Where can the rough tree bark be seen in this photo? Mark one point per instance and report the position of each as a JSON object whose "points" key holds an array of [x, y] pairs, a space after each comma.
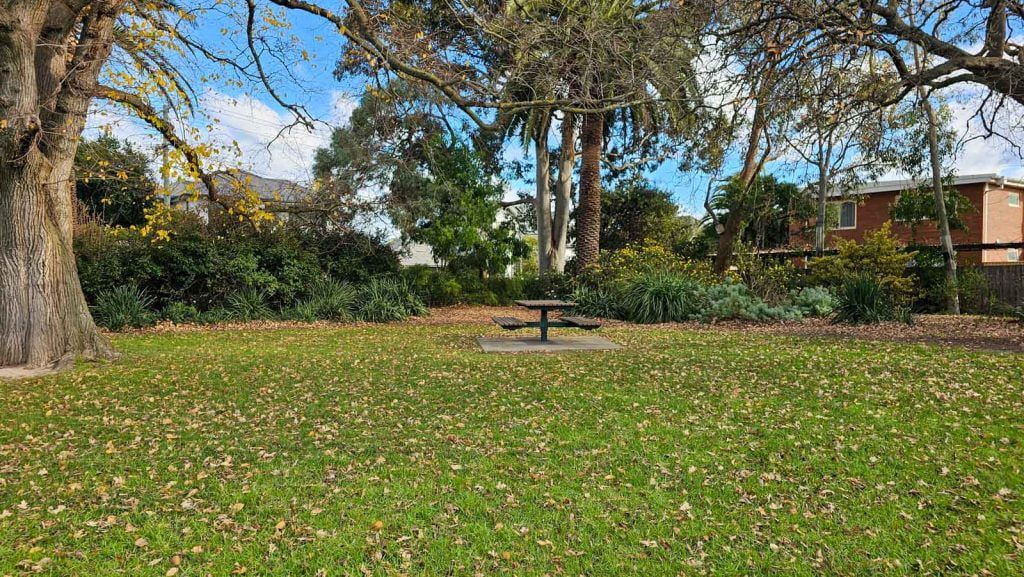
{"points": [[563, 194], [588, 214], [44, 98]]}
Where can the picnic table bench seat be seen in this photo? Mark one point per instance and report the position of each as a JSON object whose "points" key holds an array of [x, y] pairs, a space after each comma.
{"points": [[582, 323], [509, 323]]}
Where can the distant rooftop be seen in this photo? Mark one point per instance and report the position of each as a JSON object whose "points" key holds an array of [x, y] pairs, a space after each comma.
{"points": [[907, 184], [269, 189]]}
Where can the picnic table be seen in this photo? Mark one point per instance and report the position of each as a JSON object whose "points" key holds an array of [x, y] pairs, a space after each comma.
{"points": [[546, 306]]}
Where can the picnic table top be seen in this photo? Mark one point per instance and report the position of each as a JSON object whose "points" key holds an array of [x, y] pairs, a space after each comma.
{"points": [[546, 304]]}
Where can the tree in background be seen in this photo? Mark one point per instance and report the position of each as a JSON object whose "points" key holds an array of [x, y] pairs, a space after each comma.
{"points": [[112, 180], [452, 205], [763, 211], [434, 187], [635, 211]]}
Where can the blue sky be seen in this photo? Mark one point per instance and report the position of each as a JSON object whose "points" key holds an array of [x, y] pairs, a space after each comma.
{"points": [[251, 118]]}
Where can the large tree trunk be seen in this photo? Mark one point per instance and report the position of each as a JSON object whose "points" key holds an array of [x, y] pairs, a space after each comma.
{"points": [[542, 198], [588, 214], [563, 194], [44, 320]]}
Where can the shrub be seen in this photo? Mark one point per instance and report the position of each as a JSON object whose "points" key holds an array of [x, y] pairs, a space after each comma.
{"points": [[204, 269], [661, 297], [249, 305], [388, 299], [215, 315], [769, 281], [976, 293], [178, 312], [1017, 314], [645, 258], [329, 300], [595, 301], [125, 306], [880, 256], [813, 301], [548, 286], [436, 287], [733, 300], [865, 300]]}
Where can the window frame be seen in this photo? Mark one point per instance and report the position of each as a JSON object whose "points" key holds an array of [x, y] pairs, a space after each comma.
{"points": [[1015, 252], [1009, 199], [839, 221]]}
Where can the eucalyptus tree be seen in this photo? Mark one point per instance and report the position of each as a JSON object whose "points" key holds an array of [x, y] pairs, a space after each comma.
{"points": [[839, 129], [585, 58], [764, 55], [961, 41]]}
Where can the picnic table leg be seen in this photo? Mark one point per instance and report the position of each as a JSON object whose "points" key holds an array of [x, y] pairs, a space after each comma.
{"points": [[543, 325]]}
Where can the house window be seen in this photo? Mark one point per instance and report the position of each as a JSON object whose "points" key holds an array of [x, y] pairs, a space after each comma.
{"points": [[848, 215], [1013, 254], [1014, 199]]}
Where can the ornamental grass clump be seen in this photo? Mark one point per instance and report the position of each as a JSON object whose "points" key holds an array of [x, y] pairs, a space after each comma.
{"points": [[662, 297], [597, 301], [387, 299], [123, 306], [329, 300], [865, 299]]}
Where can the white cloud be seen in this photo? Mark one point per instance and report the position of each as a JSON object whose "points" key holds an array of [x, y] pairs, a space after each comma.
{"points": [[980, 155], [268, 142]]}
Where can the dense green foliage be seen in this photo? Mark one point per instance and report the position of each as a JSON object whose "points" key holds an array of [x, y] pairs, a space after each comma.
{"points": [[112, 180], [404, 450], [388, 299], [766, 210], [929, 273], [879, 256], [197, 276], [439, 190], [122, 307], [443, 287], [662, 297], [634, 212], [917, 206]]}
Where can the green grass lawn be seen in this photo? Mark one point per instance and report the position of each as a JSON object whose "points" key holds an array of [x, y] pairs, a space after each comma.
{"points": [[401, 450]]}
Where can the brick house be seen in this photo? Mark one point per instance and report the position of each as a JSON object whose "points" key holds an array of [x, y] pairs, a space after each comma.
{"points": [[997, 215]]}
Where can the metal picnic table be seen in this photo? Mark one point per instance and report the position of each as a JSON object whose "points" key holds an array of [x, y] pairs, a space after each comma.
{"points": [[546, 306]]}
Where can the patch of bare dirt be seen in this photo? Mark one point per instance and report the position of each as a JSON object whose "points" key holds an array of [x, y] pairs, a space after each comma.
{"points": [[970, 332], [21, 372]]}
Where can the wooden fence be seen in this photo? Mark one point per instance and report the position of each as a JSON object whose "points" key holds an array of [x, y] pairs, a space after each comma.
{"points": [[1006, 281]]}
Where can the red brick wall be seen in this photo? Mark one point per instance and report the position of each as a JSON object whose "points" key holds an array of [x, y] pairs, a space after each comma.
{"points": [[1004, 223]]}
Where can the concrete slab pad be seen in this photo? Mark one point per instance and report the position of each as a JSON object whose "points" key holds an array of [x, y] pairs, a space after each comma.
{"points": [[554, 345]]}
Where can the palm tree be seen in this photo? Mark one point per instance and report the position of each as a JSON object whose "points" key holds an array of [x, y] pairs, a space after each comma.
{"points": [[605, 56]]}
